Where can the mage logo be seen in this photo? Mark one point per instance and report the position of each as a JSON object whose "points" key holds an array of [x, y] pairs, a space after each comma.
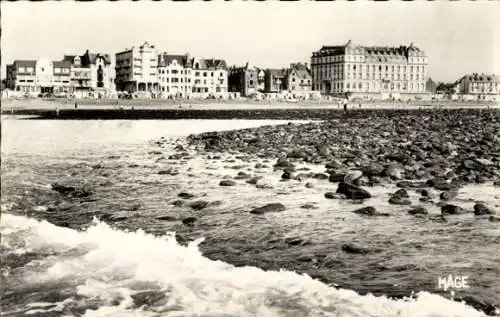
{"points": [[453, 282]]}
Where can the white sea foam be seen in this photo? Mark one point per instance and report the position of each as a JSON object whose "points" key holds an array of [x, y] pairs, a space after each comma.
{"points": [[120, 264]]}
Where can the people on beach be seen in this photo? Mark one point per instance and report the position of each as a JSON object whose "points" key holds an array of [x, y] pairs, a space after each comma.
{"points": [[345, 104], [76, 105]]}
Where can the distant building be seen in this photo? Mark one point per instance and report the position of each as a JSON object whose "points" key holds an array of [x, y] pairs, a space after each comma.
{"points": [[430, 86], [479, 86], [275, 80], [299, 78], [136, 70], [209, 77], [243, 80], [174, 75], [33, 77], [369, 71], [91, 74]]}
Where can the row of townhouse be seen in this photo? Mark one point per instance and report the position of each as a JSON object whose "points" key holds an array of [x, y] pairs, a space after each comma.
{"points": [[79, 75], [295, 79], [143, 71]]}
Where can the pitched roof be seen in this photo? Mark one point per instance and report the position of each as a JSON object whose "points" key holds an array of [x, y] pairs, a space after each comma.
{"points": [[24, 63], [300, 70], [210, 64], [165, 59], [276, 72], [482, 78], [62, 64]]}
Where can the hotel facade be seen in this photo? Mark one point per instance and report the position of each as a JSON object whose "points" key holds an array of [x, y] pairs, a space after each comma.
{"points": [[479, 87], [370, 71]]}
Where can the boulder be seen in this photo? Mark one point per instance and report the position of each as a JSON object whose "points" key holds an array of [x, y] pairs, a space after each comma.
{"points": [[227, 182], [253, 180], [368, 211], [396, 200], [189, 221], [336, 177], [374, 169], [417, 211], [409, 184], [309, 206], [449, 194], [320, 176], [242, 175], [71, 191], [450, 209], [273, 207], [186, 195], [354, 249], [494, 219], [352, 191], [309, 185], [394, 171], [481, 209], [199, 204], [332, 195]]}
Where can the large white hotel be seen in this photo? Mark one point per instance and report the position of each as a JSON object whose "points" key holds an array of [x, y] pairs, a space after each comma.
{"points": [[370, 71]]}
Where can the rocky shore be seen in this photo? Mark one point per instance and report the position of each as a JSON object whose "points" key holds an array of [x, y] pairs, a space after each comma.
{"points": [[442, 149]]}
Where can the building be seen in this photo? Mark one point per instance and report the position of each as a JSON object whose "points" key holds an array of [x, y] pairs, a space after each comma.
{"points": [[209, 78], [275, 80], [370, 71], [243, 80], [136, 70], [91, 74], [34, 77], [479, 87], [299, 78], [174, 75]]}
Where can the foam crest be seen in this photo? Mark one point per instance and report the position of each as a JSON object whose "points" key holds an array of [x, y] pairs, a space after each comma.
{"points": [[120, 265]]}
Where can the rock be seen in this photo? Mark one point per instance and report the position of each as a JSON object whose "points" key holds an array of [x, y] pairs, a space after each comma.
{"points": [[352, 191], [215, 203], [320, 176], [70, 191], [283, 163], [227, 182], [374, 169], [287, 175], [178, 203], [253, 180], [481, 209], [189, 221], [309, 206], [449, 194], [424, 193], [401, 193], [166, 218], [198, 205], [496, 183], [273, 207], [263, 186], [408, 184], [354, 249], [368, 211], [242, 175], [332, 195], [336, 177], [417, 211], [494, 219], [309, 185], [395, 200], [186, 195], [260, 165], [449, 209], [479, 304]]}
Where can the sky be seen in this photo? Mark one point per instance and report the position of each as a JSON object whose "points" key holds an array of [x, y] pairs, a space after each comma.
{"points": [[458, 37]]}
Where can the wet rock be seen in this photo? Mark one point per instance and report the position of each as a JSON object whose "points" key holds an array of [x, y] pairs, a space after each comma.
{"points": [[354, 249], [284, 163], [273, 207], [450, 209], [227, 182], [178, 203], [287, 175], [374, 169], [396, 200], [242, 175], [496, 183], [401, 193], [418, 211], [260, 165], [166, 218], [393, 171], [215, 203], [309, 185], [479, 304], [448, 195], [332, 195], [189, 221], [320, 176], [309, 206], [186, 195], [71, 191], [494, 219], [198, 205], [369, 211], [170, 171], [336, 177], [263, 186], [481, 209], [352, 191], [254, 180], [408, 184]]}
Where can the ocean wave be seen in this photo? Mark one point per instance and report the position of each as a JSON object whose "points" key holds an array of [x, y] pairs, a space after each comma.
{"points": [[120, 273]]}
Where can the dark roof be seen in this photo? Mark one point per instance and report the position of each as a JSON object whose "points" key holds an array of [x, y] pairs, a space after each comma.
{"points": [[276, 72], [165, 59], [482, 78], [209, 64], [62, 64], [22, 63], [301, 70], [69, 58], [402, 50], [94, 56]]}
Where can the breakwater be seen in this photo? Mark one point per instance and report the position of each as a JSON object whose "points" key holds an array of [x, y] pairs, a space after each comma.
{"points": [[251, 114]]}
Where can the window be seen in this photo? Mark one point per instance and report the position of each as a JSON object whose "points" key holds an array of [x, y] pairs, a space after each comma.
{"points": [[197, 74], [212, 74], [174, 71], [204, 74]]}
